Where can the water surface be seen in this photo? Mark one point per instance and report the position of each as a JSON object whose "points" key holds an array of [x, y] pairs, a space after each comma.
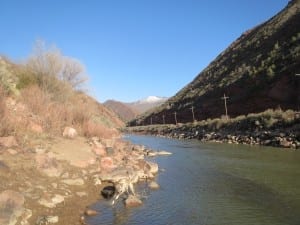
{"points": [[214, 184]]}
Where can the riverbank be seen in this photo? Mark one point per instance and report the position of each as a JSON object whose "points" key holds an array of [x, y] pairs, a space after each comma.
{"points": [[270, 128], [54, 179]]}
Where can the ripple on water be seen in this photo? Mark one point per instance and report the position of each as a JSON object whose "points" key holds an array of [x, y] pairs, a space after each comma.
{"points": [[208, 185]]}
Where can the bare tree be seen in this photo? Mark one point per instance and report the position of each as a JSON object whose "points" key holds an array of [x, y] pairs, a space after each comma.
{"points": [[50, 66], [73, 72]]}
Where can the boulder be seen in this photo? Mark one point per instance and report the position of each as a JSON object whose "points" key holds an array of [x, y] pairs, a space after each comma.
{"points": [[133, 201], [106, 163], [8, 142], [152, 167], [11, 207], [70, 132], [108, 192], [47, 165], [36, 127], [41, 220], [99, 150], [153, 185], [90, 212]]}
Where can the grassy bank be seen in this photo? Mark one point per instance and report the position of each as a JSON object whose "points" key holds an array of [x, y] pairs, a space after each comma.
{"points": [[272, 127]]}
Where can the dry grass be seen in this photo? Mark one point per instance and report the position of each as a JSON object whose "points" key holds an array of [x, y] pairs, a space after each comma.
{"points": [[78, 111], [91, 129], [6, 126]]}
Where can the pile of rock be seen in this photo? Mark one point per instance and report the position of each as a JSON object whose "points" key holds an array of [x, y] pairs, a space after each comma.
{"points": [[49, 176]]}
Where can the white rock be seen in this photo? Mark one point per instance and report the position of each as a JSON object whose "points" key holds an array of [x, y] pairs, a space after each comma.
{"points": [[152, 167], [69, 132], [153, 185], [58, 199], [164, 153]]}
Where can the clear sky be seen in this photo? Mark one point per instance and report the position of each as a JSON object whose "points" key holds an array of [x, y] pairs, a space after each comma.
{"points": [[132, 48]]}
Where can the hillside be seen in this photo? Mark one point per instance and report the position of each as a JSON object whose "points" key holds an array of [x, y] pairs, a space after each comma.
{"points": [[257, 72], [129, 110], [34, 105], [124, 111]]}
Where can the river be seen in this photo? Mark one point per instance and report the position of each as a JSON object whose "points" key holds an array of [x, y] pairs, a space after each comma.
{"points": [[213, 184]]}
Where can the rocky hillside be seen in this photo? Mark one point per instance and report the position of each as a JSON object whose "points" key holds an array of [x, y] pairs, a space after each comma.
{"points": [[125, 112], [256, 72]]}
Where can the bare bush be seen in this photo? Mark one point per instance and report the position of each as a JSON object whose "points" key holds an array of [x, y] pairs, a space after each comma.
{"points": [[54, 72]]}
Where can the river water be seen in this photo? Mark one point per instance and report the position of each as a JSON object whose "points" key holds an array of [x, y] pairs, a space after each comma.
{"points": [[213, 184]]}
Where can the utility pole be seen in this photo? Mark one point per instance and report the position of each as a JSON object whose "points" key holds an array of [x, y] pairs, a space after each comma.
{"points": [[298, 87], [193, 113], [164, 122], [225, 102], [175, 116]]}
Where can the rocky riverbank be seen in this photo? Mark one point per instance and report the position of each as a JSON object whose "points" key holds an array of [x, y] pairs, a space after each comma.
{"points": [[254, 129], [53, 180]]}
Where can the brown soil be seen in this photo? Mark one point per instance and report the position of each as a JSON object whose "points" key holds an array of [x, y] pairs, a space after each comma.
{"points": [[20, 172]]}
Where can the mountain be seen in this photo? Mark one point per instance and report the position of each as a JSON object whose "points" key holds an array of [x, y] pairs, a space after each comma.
{"points": [[124, 111], [256, 72], [146, 104], [129, 111]]}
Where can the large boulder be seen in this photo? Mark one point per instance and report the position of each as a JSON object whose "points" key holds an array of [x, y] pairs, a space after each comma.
{"points": [[70, 132]]}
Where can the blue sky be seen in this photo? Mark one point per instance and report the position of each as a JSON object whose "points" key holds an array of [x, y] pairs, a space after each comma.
{"points": [[132, 48]]}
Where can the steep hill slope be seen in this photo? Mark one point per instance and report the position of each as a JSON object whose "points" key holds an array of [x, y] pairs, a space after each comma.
{"points": [[124, 111], [256, 72]]}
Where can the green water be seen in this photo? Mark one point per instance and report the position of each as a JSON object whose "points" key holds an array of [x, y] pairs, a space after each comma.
{"points": [[215, 184]]}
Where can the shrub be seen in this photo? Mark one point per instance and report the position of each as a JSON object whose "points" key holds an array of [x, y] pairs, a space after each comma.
{"points": [[91, 129], [25, 79], [36, 100], [6, 127]]}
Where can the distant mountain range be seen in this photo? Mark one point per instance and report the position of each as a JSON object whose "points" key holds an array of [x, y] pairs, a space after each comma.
{"points": [[128, 111], [256, 72]]}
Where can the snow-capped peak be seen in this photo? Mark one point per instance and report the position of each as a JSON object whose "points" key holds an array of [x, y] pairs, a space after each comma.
{"points": [[152, 99]]}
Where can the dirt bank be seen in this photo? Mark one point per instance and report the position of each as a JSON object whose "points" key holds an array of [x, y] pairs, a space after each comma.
{"points": [[54, 178]]}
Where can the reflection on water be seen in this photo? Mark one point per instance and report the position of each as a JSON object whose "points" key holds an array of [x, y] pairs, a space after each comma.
{"points": [[214, 184]]}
